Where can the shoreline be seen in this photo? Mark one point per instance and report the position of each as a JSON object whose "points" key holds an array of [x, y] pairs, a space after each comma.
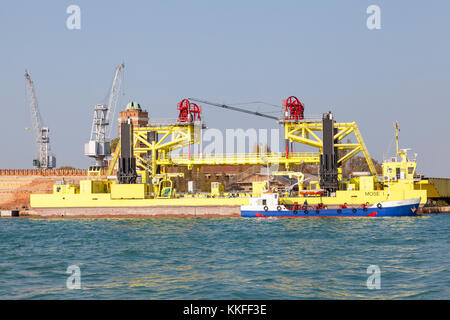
{"points": [[160, 212], [140, 212], [434, 210]]}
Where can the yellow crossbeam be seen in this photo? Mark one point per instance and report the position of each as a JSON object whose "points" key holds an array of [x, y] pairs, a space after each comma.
{"points": [[172, 137]]}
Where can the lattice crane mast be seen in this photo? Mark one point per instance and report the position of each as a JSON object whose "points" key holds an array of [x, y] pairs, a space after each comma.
{"points": [[98, 146], [45, 159]]}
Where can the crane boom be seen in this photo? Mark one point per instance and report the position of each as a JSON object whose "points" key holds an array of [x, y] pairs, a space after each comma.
{"points": [[234, 108], [35, 116], [98, 145], [45, 159], [114, 95]]}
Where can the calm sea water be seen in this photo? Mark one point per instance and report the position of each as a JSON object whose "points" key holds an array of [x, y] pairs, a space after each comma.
{"points": [[225, 258]]}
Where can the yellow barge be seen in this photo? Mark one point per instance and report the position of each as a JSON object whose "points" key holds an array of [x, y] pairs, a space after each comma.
{"points": [[143, 187], [107, 198]]}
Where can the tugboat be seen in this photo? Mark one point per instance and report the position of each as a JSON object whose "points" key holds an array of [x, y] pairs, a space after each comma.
{"points": [[268, 205]]}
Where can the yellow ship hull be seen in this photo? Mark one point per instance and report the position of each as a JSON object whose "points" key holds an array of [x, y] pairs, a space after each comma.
{"points": [[132, 202], [105, 200]]}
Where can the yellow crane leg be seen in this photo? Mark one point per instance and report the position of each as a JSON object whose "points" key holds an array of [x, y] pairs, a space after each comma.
{"points": [[113, 162], [364, 150]]}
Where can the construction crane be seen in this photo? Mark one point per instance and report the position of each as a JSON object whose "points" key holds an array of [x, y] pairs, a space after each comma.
{"points": [[45, 159], [234, 108], [98, 146]]}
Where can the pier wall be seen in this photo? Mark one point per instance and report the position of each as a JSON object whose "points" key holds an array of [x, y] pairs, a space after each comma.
{"points": [[140, 212], [16, 185], [435, 209]]}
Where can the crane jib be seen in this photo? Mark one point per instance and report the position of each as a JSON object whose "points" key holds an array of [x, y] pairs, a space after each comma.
{"points": [[235, 109]]}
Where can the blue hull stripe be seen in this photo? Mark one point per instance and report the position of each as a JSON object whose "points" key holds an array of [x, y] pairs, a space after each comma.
{"points": [[398, 211]]}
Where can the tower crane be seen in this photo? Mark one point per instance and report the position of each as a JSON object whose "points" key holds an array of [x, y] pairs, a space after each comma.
{"points": [[98, 146], [45, 159]]}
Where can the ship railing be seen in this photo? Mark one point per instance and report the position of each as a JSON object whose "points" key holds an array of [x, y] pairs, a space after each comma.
{"points": [[163, 122], [250, 156], [202, 195], [306, 118]]}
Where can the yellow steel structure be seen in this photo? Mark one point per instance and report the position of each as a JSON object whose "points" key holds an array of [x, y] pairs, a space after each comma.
{"points": [[306, 133], [245, 159], [156, 189], [157, 153], [95, 172], [150, 154], [113, 161]]}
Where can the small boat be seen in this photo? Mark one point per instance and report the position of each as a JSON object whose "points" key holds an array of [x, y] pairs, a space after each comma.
{"points": [[268, 205]]}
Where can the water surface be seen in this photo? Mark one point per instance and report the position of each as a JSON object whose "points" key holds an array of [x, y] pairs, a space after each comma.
{"points": [[225, 258]]}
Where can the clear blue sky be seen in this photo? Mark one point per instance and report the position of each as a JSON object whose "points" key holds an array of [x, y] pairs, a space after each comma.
{"points": [[229, 51]]}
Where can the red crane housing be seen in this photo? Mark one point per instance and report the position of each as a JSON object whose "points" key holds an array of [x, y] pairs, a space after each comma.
{"points": [[189, 112], [293, 109]]}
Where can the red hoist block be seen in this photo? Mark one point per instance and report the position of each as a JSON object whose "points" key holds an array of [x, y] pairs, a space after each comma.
{"points": [[293, 109], [189, 112]]}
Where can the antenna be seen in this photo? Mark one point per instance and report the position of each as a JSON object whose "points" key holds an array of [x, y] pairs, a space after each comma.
{"points": [[397, 130]]}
